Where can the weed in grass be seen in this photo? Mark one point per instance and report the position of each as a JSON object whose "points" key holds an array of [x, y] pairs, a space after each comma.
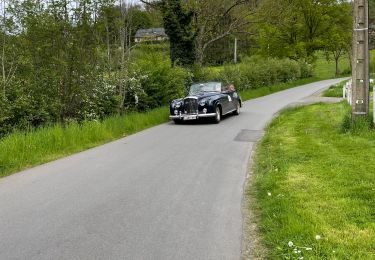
{"points": [[360, 125]]}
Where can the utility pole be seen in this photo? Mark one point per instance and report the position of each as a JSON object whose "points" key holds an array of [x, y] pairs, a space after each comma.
{"points": [[360, 73]]}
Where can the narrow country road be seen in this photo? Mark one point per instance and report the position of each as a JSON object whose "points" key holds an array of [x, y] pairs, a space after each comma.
{"points": [[170, 192]]}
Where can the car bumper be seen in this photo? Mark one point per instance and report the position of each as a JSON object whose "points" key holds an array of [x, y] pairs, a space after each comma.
{"points": [[191, 117]]}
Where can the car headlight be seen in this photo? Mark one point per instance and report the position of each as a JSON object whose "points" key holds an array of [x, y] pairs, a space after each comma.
{"points": [[176, 104], [202, 102]]}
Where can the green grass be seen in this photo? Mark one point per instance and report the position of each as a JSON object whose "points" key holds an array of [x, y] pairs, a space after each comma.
{"points": [[26, 149], [312, 178], [326, 69], [263, 91], [335, 90]]}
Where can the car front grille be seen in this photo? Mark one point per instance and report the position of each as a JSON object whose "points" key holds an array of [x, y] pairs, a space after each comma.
{"points": [[191, 106]]}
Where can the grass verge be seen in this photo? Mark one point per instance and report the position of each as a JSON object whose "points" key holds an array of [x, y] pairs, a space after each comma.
{"points": [[263, 91], [335, 90], [23, 150], [26, 149], [314, 186]]}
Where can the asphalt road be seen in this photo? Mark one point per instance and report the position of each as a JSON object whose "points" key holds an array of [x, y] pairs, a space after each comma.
{"points": [[170, 192]]}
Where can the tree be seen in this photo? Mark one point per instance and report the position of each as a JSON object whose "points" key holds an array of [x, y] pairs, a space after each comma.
{"points": [[296, 28], [338, 38], [218, 19], [193, 26], [178, 25]]}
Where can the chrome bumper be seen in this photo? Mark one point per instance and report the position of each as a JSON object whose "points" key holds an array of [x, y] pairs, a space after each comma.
{"points": [[192, 117]]}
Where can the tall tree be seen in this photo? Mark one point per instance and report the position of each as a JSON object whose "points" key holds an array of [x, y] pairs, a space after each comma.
{"points": [[217, 19], [193, 26], [296, 28]]}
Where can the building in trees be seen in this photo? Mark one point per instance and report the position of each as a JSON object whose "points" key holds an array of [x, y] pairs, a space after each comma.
{"points": [[153, 34]]}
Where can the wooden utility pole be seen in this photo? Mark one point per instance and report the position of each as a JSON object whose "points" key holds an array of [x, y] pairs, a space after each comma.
{"points": [[360, 73]]}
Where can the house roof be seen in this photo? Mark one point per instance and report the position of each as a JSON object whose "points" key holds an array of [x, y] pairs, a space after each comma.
{"points": [[150, 32]]}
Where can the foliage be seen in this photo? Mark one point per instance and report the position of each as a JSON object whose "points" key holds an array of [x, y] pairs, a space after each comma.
{"points": [[255, 72], [154, 81], [178, 24], [311, 194], [298, 28]]}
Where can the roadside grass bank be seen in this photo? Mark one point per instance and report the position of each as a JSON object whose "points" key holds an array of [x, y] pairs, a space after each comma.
{"points": [[23, 150], [314, 185], [335, 90], [264, 91]]}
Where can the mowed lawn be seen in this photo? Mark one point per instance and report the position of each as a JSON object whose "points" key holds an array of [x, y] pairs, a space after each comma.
{"points": [[314, 186]]}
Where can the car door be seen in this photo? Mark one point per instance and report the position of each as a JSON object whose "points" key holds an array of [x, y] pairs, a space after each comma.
{"points": [[232, 98], [225, 99], [232, 105]]}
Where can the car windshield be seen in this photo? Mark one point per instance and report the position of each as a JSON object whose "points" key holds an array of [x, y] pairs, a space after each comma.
{"points": [[205, 87]]}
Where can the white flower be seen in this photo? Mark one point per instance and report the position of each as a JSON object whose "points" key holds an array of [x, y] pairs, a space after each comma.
{"points": [[290, 244], [308, 248], [269, 194], [317, 237], [301, 257]]}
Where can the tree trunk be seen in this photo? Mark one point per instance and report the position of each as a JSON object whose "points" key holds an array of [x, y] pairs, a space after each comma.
{"points": [[337, 73]]}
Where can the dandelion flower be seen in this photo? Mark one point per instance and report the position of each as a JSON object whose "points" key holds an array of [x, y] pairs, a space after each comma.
{"points": [[290, 244]]}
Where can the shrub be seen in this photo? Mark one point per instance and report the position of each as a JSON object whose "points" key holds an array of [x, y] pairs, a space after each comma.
{"points": [[155, 82], [255, 72]]}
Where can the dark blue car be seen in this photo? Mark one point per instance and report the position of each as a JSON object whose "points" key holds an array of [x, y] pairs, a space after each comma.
{"points": [[206, 100]]}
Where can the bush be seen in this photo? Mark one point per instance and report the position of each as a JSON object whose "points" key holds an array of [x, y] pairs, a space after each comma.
{"points": [[256, 71], [152, 82]]}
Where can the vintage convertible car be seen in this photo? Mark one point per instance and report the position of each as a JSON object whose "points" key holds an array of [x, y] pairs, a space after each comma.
{"points": [[206, 100]]}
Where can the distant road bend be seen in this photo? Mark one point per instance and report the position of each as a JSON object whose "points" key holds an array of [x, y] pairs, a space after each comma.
{"points": [[170, 192]]}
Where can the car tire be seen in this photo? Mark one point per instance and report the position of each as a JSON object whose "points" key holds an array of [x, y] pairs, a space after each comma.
{"points": [[238, 109], [217, 117], [177, 121]]}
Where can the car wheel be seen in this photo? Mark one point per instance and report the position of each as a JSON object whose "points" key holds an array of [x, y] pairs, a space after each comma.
{"points": [[238, 110], [217, 115], [177, 121]]}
